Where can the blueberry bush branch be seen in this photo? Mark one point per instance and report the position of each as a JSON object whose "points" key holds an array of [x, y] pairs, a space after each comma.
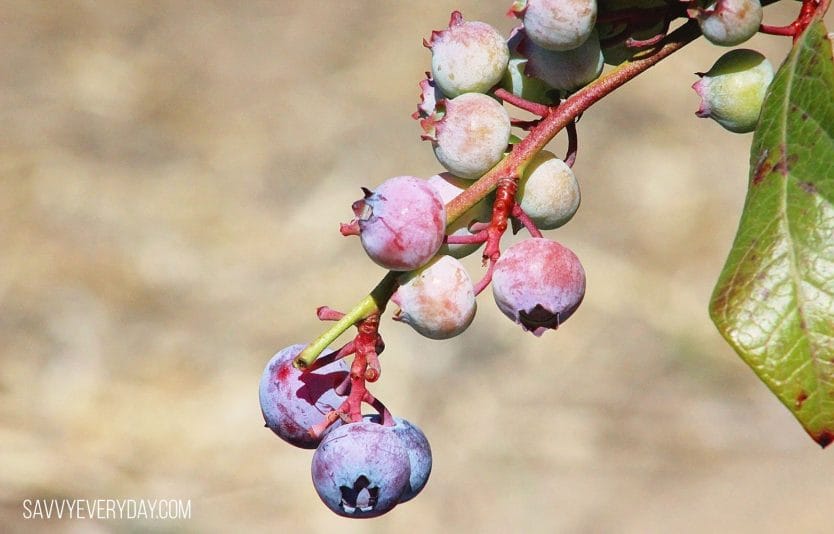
{"points": [[551, 66], [555, 119]]}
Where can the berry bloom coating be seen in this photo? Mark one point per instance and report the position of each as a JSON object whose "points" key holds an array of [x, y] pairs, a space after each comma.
{"points": [[401, 223], [566, 71], [730, 22], [419, 456], [471, 136], [293, 401], [361, 469], [548, 192], [437, 300], [468, 57], [558, 25], [449, 186], [538, 283], [733, 90]]}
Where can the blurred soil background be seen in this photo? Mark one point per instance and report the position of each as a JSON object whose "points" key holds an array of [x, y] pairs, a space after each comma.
{"points": [[172, 176]]}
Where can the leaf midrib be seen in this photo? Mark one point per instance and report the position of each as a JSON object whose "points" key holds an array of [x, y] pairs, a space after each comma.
{"points": [[793, 265]]}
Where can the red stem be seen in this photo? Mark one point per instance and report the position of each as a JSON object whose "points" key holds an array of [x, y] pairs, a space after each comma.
{"points": [[810, 9], [525, 219], [502, 208], [522, 103], [487, 278], [573, 144], [473, 239]]}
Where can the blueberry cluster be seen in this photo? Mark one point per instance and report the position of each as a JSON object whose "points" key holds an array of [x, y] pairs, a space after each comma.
{"points": [[364, 465], [359, 469]]}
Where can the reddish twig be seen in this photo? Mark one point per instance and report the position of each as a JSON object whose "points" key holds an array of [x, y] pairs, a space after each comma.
{"points": [[326, 313], [522, 103], [348, 349], [526, 221], [631, 42], [573, 144], [501, 210], [523, 124], [486, 279], [472, 239], [809, 10]]}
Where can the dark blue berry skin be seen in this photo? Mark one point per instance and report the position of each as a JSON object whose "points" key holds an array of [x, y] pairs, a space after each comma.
{"points": [[292, 401], [361, 470]]}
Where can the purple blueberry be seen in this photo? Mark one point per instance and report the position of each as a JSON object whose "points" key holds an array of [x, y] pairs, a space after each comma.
{"points": [[419, 456], [538, 283], [293, 401], [401, 223], [361, 469]]}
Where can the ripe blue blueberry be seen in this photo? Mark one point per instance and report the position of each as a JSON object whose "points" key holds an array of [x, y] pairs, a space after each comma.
{"points": [[361, 469]]}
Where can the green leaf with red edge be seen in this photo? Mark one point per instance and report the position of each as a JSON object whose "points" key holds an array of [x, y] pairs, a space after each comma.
{"points": [[774, 300]]}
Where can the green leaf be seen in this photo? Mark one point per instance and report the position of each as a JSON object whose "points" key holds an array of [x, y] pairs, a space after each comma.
{"points": [[774, 300]]}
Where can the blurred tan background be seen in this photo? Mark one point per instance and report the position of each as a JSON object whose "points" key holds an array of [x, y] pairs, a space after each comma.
{"points": [[172, 176]]}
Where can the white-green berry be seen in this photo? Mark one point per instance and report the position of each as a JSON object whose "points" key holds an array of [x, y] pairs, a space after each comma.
{"points": [[730, 22], [467, 57], [566, 71], [548, 191], [733, 90], [557, 24]]}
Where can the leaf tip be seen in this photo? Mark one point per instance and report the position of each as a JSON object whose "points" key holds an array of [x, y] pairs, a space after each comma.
{"points": [[824, 437]]}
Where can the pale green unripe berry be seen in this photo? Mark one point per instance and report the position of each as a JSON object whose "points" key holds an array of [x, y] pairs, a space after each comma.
{"points": [[733, 90], [730, 22], [548, 191], [517, 82], [566, 71]]}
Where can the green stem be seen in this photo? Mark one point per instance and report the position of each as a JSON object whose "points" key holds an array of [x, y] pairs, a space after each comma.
{"points": [[372, 303], [513, 165]]}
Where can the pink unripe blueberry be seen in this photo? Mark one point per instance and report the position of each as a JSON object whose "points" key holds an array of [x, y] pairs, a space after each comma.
{"points": [[730, 22], [733, 90], [401, 223], [437, 300], [538, 283], [548, 191], [450, 186], [293, 401], [557, 24], [469, 134], [468, 57]]}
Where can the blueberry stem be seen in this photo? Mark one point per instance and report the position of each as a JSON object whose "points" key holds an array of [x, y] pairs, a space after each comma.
{"points": [[372, 303]]}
